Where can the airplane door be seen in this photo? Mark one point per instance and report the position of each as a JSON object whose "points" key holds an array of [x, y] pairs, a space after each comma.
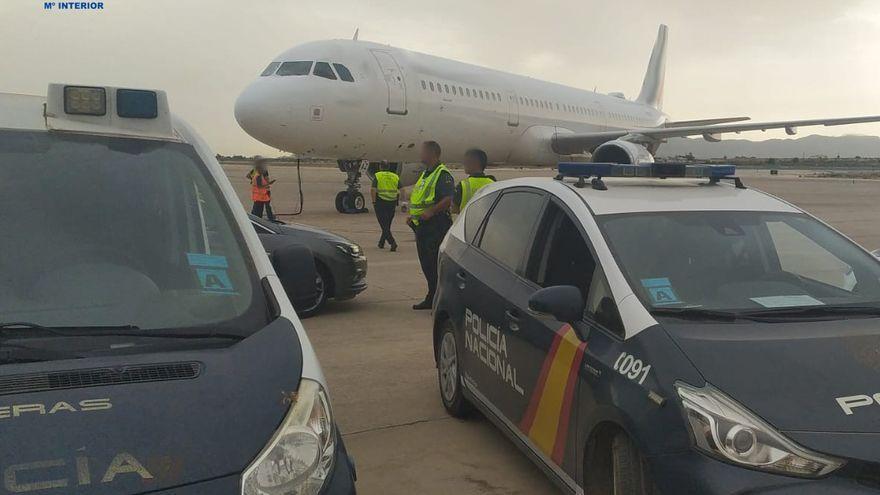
{"points": [[512, 109], [394, 80]]}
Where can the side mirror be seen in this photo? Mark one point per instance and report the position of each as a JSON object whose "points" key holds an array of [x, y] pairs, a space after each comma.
{"points": [[563, 302], [295, 266]]}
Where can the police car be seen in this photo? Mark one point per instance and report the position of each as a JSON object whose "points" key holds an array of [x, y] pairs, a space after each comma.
{"points": [[146, 343], [688, 335]]}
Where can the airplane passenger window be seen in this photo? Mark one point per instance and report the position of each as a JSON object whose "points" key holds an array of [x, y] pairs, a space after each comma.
{"points": [[432, 85], [344, 73], [481, 95], [424, 86], [453, 91], [460, 91], [447, 88], [270, 69], [468, 90], [300, 68], [322, 69]]}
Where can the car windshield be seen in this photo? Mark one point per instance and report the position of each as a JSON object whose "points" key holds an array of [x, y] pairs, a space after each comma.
{"points": [[105, 232], [740, 261]]}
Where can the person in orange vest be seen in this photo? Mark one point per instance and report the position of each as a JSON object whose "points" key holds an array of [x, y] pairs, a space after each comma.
{"points": [[260, 188]]}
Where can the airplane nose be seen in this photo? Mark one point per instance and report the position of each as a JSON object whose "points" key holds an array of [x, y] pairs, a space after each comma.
{"points": [[257, 113]]}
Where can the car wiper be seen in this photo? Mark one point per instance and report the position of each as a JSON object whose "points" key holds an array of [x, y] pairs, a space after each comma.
{"points": [[813, 311], [695, 314], [18, 353], [110, 330]]}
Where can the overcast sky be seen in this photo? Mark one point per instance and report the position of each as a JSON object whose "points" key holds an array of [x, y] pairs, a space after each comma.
{"points": [[768, 59]]}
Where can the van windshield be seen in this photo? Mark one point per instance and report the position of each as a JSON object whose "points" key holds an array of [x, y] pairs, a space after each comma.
{"points": [[740, 261], [106, 232]]}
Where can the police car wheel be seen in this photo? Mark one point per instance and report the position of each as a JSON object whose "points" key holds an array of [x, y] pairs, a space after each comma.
{"points": [[321, 286], [629, 470], [449, 375]]}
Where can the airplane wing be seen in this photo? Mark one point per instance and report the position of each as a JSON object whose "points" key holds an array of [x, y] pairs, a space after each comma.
{"points": [[580, 142], [688, 123]]}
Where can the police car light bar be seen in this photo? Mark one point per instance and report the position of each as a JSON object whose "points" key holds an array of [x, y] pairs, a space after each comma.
{"points": [[660, 170]]}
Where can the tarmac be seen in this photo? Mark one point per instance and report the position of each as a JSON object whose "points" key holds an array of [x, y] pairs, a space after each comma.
{"points": [[376, 352]]}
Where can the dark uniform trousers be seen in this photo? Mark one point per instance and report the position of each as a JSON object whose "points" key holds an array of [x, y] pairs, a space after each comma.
{"points": [[385, 215], [429, 235]]}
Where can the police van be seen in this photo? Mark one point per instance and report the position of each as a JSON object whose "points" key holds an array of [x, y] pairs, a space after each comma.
{"points": [[635, 335], [146, 343]]}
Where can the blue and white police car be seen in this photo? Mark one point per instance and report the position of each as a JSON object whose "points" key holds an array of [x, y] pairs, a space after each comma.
{"points": [[688, 335], [146, 342]]}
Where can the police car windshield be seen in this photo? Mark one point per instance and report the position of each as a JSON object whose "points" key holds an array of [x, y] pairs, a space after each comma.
{"points": [[101, 231], [740, 261]]}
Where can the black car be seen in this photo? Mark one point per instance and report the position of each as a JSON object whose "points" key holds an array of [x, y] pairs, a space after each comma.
{"points": [[341, 264]]}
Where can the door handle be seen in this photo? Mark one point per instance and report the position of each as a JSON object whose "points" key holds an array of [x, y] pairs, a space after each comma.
{"points": [[462, 277], [512, 316]]}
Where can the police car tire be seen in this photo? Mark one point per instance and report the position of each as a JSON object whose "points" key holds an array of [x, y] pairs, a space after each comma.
{"points": [[629, 470], [458, 406]]}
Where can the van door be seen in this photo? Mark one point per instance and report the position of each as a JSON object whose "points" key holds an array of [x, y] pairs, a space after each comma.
{"points": [[512, 109], [394, 80]]}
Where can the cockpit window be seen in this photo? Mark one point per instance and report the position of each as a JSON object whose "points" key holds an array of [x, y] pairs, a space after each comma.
{"points": [[300, 68], [271, 69], [322, 69], [343, 72]]}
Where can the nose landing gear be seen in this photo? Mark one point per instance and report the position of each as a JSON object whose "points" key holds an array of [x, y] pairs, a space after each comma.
{"points": [[351, 200]]}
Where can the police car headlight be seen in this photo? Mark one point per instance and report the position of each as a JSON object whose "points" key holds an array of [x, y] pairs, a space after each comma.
{"points": [[352, 250], [728, 431], [300, 455]]}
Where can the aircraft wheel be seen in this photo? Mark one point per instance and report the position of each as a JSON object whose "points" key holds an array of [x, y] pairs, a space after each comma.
{"points": [[357, 200], [340, 201]]}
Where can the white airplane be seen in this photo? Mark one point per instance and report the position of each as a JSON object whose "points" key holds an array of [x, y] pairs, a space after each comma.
{"points": [[362, 103]]}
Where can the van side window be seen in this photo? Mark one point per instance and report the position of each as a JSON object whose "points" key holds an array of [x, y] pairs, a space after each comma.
{"points": [[508, 230], [270, 69], [343, 72], [561, 256], [322, 69], [300, 68]]}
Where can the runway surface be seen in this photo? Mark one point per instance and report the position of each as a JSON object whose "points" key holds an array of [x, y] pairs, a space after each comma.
{"points": [[377, 356]]}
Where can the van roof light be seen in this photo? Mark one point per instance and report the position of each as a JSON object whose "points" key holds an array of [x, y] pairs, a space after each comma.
{"points": [[85, 100]]}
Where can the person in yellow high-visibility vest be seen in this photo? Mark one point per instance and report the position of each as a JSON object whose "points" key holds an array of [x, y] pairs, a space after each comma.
{"points": [[385, 192], [475, 161], [429, 217]]}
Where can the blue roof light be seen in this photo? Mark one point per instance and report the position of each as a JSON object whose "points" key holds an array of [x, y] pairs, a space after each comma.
{"points": [[659, 169], [662, 170]]}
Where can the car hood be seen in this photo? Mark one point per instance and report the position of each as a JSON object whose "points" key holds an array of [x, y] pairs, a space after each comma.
{"points": [[791, 374], [165, 432], [309, 231]]}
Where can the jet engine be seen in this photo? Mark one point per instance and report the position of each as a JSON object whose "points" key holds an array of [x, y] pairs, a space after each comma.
{"points": [[619, 151]]}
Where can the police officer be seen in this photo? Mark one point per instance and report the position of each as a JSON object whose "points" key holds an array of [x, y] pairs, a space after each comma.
{"points": [[385, 192], [475, 161], [260, 185], [429, 214]]}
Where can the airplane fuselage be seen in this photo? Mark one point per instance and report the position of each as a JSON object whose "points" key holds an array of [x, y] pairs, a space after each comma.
{"points": [[400, 98]]}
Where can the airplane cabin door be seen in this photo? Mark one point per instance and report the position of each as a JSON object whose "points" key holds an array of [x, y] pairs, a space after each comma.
{"points": [[512, 109], [394, 80]]}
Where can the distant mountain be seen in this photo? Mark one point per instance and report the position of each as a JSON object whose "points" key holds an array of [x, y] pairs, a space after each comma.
{"points": [[845, 146]]}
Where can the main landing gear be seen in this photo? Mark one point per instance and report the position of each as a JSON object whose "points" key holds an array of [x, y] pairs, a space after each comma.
{"points": [[351, 200]]}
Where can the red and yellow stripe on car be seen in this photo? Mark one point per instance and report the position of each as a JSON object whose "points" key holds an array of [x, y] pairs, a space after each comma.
{"points": [[547, 417]]}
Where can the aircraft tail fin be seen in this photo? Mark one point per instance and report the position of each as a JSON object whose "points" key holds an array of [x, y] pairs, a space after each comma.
{"points": [[652, 87]]}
